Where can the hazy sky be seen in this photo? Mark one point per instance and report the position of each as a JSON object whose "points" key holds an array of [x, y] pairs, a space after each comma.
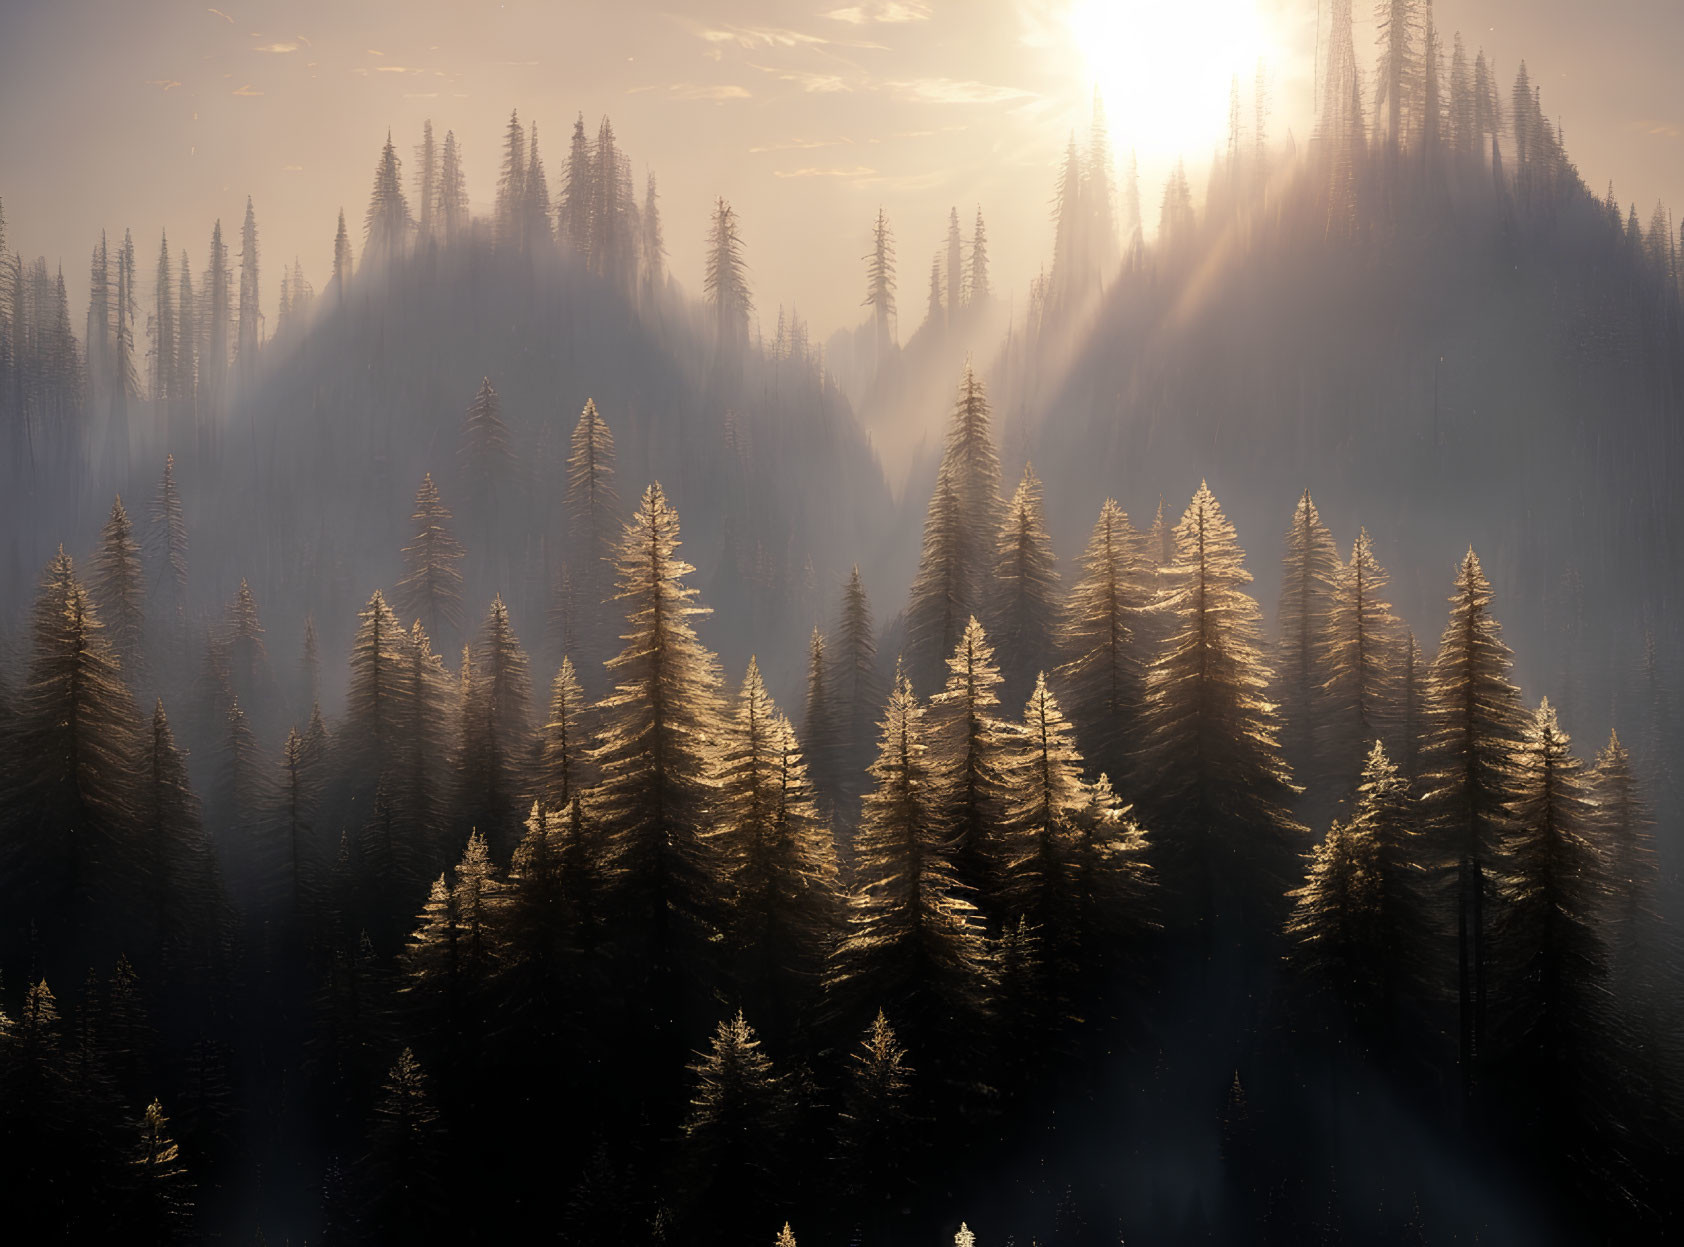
{"points": [[155, 114]]}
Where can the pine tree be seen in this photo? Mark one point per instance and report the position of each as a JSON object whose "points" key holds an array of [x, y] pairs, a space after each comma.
{"points": [[913, 943], [1308, 572], [426, 183], [543, 926], [164, 1205], [452, 211], [70, 858], [1552, 947], [974, 460], [284, 316], [561, 762], [1114, 894], [955, 265], [977, 277], [878, 1127], [431, 588], [248, 656], [880, 286], [164, 369], [1067, 284], [956, 569], [185, 387], [1027, 613], [127, 381], [654, 247], [216, 293], [1431, 98], [1473, 724], [1103, 648], [98, 339], [973, 750], [613, 253], [595, 521], [859, 691], [497, 734], [250, 307], [454, 953], [511, 183], [118, 588], [655, 745], [1624, 838], [419, 786], [1359, 686], [179, 868], [735, 1128], [405, 1165], [1463, 141], [387, 222], [342, 262], [778, 857], [375, 702], [535, 198], [486, 457], [1397, 28], [1046, 790], [725, 281], [576, 199], [942, 594], [821, 739], [1358, 923], [1216, 787]]}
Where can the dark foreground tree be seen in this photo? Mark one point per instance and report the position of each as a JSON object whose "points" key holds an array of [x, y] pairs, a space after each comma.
{"points": [[1473, 724], [654, 753], [913, 944], [1218, 789], [733, 1135]]}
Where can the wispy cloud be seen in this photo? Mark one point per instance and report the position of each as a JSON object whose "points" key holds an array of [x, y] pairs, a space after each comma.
{"points": [[800, 145], [164, 84], [420, 95], [248, 89], [222, 15], [1659, 129], [755, 37], [705, 91], [396, 69], [908, 181], [292, 168], [886, 11], [277, 47], [957, 91], [858, 171], [924, 134], [812, 83]]}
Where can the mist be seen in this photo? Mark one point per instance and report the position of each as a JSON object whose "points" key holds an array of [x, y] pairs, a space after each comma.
{"points": [[772, 632]]}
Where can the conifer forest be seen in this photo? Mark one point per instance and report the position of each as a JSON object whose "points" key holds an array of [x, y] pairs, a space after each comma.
{"points": [[1165, 731]]}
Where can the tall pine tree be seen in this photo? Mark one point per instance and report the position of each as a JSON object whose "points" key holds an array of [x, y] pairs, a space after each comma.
{"points": [[1217, 788], [1473, 724]]}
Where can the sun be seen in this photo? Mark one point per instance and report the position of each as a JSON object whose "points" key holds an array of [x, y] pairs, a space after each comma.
{"points": [[1164, 67]]}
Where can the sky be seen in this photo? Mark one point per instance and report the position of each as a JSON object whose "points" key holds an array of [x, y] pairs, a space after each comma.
{"points": [[809, 115]]}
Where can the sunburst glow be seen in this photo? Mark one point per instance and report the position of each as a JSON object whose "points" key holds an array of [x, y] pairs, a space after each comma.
{"points": [[1164, 67]]}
